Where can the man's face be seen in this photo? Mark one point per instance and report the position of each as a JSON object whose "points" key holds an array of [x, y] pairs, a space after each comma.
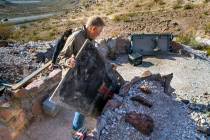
{"points": [[94, 31]]}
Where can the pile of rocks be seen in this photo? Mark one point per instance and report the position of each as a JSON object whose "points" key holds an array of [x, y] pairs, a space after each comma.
{"points": [[144, 109], [200, 108], [112, 48], [17, 61]]}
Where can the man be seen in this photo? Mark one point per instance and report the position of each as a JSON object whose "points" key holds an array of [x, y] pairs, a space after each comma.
{"points": [[91, 30]]}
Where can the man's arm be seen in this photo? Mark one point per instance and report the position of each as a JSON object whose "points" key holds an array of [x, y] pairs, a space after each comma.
{"points": [[67, 54], [68, 49]]}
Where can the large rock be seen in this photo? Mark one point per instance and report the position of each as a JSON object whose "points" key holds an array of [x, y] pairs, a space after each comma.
{"points": [[15, 121], [7, 114], [5, 133], [113, 47], [141, 122], [18, 122]]}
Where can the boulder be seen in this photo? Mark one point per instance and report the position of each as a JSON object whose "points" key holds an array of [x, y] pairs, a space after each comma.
{"points": [[5, 133], [141, 122]]}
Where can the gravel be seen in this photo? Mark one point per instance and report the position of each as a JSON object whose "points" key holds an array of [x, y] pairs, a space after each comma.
{"points": [[170, 117], [190, 80], [19, 60], [175, 120], [190, 75]]}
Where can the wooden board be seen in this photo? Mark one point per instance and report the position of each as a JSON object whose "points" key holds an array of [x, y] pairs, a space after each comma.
{"points": [[32, 75]]}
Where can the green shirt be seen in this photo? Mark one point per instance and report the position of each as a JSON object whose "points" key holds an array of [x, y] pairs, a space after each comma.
{"points": [[74, 43]]}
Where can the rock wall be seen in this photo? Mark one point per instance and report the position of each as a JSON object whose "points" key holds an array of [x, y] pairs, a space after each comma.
{"points": [[25, 105]]}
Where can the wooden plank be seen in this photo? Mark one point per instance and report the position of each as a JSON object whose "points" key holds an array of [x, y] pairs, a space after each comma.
{"points": [[28, 78]]}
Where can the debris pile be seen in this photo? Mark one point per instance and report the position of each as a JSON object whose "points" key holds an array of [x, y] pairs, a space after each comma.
{"points": [[145, 109], [17, 61]]}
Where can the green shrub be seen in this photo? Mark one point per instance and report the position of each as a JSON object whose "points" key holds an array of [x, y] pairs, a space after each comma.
{"points": [[185, 38], [206, 13], [208, 52], [188, 6], [124, 17], [178, 4], [207, 28], [189, 39], [160, 2]]}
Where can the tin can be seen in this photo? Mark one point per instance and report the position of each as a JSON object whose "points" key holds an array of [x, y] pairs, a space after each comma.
{"points": [[78, 121]]}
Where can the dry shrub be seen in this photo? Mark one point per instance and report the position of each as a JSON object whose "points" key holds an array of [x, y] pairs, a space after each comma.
{"points": [[5, 31]]}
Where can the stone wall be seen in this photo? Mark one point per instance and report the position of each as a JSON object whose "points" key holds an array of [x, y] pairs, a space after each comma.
{"points": [[26, 104]]}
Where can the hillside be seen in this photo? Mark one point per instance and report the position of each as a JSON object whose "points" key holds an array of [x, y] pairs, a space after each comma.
{"points": [[183, 18], [38, 7]]}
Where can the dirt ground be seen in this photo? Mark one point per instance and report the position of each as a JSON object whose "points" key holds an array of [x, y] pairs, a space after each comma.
{"points": [[190, 75], [190, 80], [58, 128]]}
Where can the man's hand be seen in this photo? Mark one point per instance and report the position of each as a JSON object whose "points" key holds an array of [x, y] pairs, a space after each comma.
{"points": [[71, 62], [114, 66], [53, 66]]}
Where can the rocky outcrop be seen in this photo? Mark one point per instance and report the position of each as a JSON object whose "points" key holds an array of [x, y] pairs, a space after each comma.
{"points": [[135, 115], [141, 122], [113, 47], [25, 105]]}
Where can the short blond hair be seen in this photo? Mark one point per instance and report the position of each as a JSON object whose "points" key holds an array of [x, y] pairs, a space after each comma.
{"points": [[95, 21]]}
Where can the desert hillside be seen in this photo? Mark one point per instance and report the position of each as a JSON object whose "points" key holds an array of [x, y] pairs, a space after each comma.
{"points": [[180, 17]]}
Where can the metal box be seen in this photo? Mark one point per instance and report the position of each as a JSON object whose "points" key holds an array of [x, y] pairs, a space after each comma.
{"points": [[150, 44], [135, 58]]}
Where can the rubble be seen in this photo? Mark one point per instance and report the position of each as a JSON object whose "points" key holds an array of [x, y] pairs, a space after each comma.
{"points": [[111, 48], [166, 119], [142, 101], [141, 122], [145, 89], [20, 60]]}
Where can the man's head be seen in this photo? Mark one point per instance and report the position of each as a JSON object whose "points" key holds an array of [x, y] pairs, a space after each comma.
{"points": [[94, 27]]}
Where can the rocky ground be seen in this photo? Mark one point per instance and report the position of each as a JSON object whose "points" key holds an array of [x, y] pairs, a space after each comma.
{"points": [[20, 60], [166, 118], [9, 10], [189, 103], [190, 80], [58, 128]]}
